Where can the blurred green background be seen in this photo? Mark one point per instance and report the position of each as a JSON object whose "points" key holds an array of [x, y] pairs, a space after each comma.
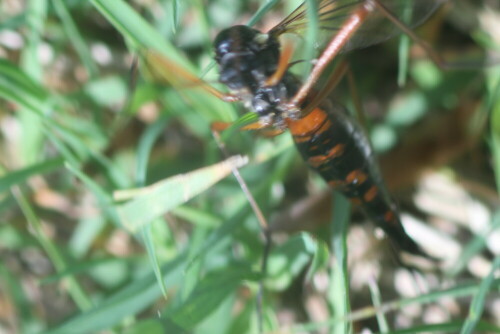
{"points": [[82, 253]]}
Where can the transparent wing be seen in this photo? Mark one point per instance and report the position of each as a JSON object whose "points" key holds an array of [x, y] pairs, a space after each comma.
{"points": [[377, 27]]}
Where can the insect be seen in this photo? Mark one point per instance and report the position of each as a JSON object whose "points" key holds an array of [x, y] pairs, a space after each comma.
{"points": [[256, 70], [327, 137]]}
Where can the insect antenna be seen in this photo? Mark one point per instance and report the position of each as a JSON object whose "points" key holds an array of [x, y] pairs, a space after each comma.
{"points": [[264, 226]]}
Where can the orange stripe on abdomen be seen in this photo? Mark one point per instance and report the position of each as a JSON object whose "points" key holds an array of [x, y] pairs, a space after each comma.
{"points": [[334, 152], [302, 129]]}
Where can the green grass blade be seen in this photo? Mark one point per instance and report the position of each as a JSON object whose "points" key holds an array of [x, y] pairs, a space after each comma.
{"points": [[36, 18], [75, 290], [474, 247], [461, 290], [338, 292], [311, 35], [21, 175], [479, 300], [288, 260], [220, 236], [150, 326], [144, 37], [130, 300], [13, 22], [266, 7], [62, 148], [18, 87], [12, 290], [209, 294], [495, 123], [75, 36], [31, 126], [81, 268], [446, 327], [20, 81], [103, 197], [144, 147], [155, 200], [403, 55], [204, 22], [245, 119], [136, 29], [320, 259], [196, 216], [377, 301], [404, 48], [143, 151], [175, 15], [148, 241]]}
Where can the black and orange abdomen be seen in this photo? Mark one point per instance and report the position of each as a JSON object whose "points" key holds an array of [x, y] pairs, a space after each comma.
{"points": [[335, 147]]}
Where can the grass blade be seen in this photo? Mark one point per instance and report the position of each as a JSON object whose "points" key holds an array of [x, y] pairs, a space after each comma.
{"points": [[338, 293], [75, 290], [155, 200], [74, 35], [479, 300]]}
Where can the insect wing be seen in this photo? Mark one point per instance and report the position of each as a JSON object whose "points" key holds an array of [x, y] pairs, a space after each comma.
{"points": [[377, 27]]}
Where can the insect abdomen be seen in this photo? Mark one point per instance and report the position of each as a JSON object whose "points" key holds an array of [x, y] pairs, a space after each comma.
{"points": [[338, 150]]}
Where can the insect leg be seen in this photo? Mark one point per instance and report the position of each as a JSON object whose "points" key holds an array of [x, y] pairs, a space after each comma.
{"points": [[283, 64], [352, 24], [260, 217], [431, 52], [332, 82], [266, 130], [173, 73]]}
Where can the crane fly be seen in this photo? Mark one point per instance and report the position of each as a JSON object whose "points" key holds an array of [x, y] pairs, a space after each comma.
{"points": [[256, 70]]}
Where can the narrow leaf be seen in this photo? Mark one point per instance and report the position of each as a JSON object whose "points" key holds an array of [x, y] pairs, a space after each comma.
{"points": [[155, 200]]}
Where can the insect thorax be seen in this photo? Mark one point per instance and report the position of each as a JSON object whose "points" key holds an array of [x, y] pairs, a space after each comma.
{"points": [[246, 59]]}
